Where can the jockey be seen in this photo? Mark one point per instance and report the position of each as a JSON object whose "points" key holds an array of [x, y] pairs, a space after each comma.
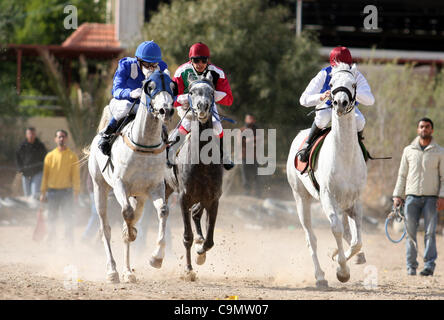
{"points": [[318, 91], [199, 64], [127, 86]]}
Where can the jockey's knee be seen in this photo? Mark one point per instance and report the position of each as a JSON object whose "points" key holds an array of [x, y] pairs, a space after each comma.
{"points": [[360, 123], [322, 119]]}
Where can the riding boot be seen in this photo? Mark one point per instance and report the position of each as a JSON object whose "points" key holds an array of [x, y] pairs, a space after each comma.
{"points": [[305, 151], [105, 141], [364, 149], [177, 139], [224, 156]]}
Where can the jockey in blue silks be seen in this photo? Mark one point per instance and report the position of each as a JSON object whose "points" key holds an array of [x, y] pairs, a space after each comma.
{"points": [[127, 86], [318, 91]]}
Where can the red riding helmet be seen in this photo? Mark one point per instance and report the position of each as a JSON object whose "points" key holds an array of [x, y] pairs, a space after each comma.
{"points": [[340, 54], [199, 50]]}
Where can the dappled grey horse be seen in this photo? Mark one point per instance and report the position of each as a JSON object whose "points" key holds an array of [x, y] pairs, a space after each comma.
{"points": [[199, 185], [136, 172]]}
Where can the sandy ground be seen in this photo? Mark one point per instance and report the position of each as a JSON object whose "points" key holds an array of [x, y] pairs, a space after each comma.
{"points": [[250, 261]]}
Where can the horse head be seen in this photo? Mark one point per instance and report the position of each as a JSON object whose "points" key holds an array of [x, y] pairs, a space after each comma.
{"points": [[201, 97], [158, 94], [343, 88]]}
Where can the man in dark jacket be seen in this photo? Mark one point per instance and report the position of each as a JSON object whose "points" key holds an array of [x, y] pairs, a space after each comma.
{"points": [[29, 159]]}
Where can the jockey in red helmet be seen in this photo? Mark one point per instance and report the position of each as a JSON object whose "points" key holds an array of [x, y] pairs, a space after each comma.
{"points": [[199, 65], [318, 91]]}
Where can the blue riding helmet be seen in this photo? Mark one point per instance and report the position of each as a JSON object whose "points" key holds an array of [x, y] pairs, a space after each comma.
{"points": [[149, 51]]}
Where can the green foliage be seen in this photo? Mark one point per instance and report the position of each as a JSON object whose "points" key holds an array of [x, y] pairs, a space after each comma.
{"points": [[268, 67], [83, 102], [42, 22], [403, 95], [10, 120]]}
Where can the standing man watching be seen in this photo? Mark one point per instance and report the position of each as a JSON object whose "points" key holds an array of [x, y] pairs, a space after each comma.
{"points": [[29, 159], [60, 185], [421, 183]]}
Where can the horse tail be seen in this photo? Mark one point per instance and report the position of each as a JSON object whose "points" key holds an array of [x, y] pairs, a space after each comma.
{"points": [[86, 151], [106, 116], [104, 119]]}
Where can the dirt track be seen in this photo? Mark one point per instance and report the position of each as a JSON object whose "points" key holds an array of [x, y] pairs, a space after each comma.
{"points": [[248, 261]]}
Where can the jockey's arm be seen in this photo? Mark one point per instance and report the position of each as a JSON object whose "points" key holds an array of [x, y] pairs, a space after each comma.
{"points": [[120, 90], [181, 98], [363, 92], [311, 96], [223, 94]]}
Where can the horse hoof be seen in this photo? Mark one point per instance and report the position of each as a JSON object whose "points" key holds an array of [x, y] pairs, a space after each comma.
{"points": [[343, 277], [200, 249], [321, 284], [156, 263], [113, 277], [360, 258], [129, 235], [189, 276], [129, 278], [200, 258]]}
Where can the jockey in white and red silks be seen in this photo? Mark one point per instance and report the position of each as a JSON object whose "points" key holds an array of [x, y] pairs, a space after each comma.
{"points": [[318, 90], [199, 65]]}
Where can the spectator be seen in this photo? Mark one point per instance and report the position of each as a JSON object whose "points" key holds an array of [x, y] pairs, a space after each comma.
{"points": [[29, 159], [93, 222], [60, 185], [249, 162], [421, 182]]}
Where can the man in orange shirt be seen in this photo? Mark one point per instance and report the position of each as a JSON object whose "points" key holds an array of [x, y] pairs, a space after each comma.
{"points": [[60, 184]]}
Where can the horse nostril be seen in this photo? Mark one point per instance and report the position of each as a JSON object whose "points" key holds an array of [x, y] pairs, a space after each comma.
{"points": [[162, 111], [344, 103], [171, 112], [335, 103]]}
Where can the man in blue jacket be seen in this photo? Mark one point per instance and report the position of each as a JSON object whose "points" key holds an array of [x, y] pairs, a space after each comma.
{"points": [[127, 86]]}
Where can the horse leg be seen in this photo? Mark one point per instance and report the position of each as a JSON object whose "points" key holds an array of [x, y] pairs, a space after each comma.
{"points": [[129, 232], [137, 203], [301, 197], [330, 209], [196, 213], [158, 196], [208, 243], [353, 218], [187, 236], [100, 199]]}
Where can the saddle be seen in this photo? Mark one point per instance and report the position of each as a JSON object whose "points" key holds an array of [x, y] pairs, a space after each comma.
{"points": [[314, 149]]}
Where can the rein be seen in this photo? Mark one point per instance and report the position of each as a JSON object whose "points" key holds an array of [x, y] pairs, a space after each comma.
{"points": [[396, 214]]}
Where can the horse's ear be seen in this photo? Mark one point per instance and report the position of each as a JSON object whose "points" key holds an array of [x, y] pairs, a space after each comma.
{"points": [[149, 86], [209, 76], [354, 69], [174, 88]]}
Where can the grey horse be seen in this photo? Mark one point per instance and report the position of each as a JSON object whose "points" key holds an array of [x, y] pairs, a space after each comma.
{"points": [[199, 185]]}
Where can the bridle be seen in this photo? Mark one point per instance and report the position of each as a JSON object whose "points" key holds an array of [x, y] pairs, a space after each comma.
{"points": [[193, 110], [351, 97], [165, 87]]}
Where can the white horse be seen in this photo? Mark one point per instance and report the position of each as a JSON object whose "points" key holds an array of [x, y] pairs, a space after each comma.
{"points": [[341, 173], [136, 172]]}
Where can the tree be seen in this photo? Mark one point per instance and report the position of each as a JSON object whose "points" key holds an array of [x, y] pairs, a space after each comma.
{"points": [[254, 43]]}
